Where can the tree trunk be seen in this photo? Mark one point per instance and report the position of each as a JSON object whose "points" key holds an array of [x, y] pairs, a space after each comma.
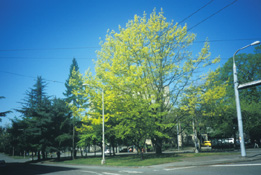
{"points": [[58, 155], [158, 145], [43, 155], [39, 156], [75, 152], [195, 138], [81, 153]]}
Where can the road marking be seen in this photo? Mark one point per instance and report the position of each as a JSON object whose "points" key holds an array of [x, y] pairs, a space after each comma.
{"points": [[91, 172], [173, 169], [130, 172], [231, 165], [110, 173]]}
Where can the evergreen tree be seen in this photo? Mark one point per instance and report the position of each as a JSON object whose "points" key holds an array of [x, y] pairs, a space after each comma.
{"points": [[73, 99], [3, 114], [59, 131], [68, 92], [36, 113]]}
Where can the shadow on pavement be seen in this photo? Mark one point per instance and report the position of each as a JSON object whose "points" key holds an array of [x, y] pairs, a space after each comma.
{"points": [[31, 169]]}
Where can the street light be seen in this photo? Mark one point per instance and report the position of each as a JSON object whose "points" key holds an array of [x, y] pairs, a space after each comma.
{"points": [[239, 116], [103, 137]]}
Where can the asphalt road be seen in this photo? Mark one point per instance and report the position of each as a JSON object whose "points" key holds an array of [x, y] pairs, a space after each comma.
{"points": [[249, 168], [18, 167]]}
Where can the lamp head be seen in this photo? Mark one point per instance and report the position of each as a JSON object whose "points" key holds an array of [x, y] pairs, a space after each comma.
{"points": [[255, 43]]}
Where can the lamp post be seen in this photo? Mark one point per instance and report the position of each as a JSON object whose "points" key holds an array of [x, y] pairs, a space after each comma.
{"points": [[103, 137], [103, 142], [239, 116]]}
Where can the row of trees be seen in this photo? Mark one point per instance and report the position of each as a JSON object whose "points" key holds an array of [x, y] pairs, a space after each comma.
{"points": [[151, 82], [45, 125]]}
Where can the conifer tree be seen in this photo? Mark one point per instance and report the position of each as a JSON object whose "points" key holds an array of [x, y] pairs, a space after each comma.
{"points": [[73, 99], [3, 114]]}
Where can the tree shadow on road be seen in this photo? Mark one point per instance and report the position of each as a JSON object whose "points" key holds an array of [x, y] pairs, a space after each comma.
{"points": [[32, 169]]}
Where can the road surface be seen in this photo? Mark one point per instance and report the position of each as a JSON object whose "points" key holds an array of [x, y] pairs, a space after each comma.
{"points": [[18, 167]]}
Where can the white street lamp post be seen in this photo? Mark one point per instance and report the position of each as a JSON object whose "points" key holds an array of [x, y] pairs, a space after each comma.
{"points": [[239, 116], [103, 142]]}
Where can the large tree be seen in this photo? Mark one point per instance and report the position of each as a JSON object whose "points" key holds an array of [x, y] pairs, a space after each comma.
{"points": [[143, 70], [36, 113], [75, 102], [70, 98]]}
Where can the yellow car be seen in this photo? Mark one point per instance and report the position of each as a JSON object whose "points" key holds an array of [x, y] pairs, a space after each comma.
{"points": [[206, 143]]}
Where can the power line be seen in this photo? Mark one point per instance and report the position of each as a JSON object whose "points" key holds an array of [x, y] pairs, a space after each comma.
{"points": [[220, 40], [196, 11], [42, 58], [95, 47], [228, 40], [61, 48], [211, 15], [26, 76]]}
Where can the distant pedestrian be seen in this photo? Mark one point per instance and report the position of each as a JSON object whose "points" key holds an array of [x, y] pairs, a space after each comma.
{"points": [[256, 145]]}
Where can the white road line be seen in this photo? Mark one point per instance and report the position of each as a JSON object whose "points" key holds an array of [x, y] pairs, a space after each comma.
{"points": [[173, 169], [130, 172], [91, 172], [110, 173], [231, 165]]}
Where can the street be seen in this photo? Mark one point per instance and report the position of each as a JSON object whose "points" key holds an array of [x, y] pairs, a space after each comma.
{"points": [[249, 168]]}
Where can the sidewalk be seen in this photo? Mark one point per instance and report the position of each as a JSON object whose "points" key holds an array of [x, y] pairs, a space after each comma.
{"points": [[251, 155]]}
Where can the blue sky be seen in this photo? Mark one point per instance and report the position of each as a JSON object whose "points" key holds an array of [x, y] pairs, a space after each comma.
{"points": [[41, 37]]}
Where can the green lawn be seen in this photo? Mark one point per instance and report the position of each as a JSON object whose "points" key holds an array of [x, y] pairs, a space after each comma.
{"points": [[135, 160]]}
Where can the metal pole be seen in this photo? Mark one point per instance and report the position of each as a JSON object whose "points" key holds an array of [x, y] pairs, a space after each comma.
{"points": [[73, 147], [239, 116], [103, 142]]}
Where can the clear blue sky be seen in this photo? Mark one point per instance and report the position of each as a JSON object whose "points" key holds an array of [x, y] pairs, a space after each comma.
{"points": [[41, 37]]}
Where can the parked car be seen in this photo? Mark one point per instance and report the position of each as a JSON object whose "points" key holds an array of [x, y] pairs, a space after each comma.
{"points": [[123, 150], [206, 143], [107, 151]]}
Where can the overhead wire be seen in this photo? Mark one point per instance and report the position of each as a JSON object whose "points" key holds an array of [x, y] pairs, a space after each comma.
{"points": [[217, 40], [37, 49], [4, 50], [195, 11], [212, 15], [26, 76], [95, 47]]}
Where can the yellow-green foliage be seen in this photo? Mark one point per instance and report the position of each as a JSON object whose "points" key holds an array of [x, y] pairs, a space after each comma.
{"points": [[143, 68], [207, 98]]}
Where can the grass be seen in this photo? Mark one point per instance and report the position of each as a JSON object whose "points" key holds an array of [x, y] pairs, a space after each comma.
{"points": [[19, 157], [135, 160]]}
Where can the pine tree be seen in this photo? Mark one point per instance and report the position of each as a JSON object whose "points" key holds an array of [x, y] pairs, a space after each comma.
{"points": [[68, 92], [73, 99], [3, 114], [36, 112]]}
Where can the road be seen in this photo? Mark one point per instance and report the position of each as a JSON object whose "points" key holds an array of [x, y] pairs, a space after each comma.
{"points": [[249, 168], [19, 168]]}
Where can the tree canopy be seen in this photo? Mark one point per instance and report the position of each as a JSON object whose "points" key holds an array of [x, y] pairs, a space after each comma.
{"points": [[143, 69]]}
